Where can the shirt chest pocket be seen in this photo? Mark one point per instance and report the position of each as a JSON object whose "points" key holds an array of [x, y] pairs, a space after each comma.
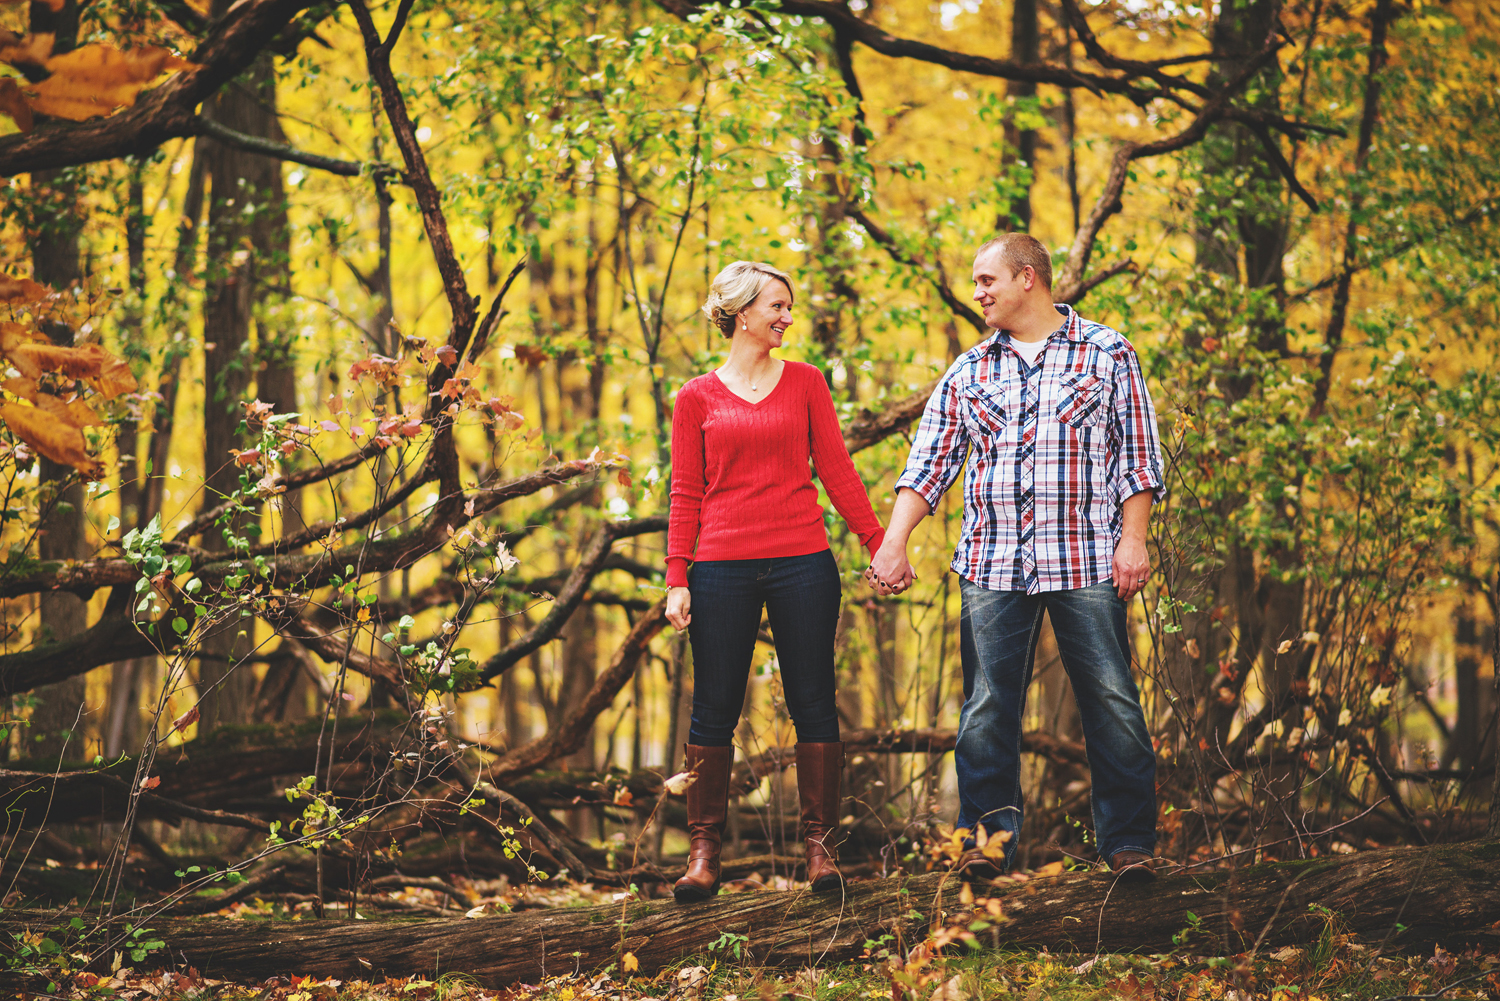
{"points": [[1082, 400], [987, 409]]}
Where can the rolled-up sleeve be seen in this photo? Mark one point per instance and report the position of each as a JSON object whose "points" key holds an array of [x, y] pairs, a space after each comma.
{"points": [[1139, 445], [941, 444]]}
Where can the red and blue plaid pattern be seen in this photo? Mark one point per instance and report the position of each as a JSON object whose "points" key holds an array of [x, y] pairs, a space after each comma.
{"points": [[1053, 451]]}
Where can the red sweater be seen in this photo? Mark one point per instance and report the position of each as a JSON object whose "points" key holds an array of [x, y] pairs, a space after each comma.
{"points": [[741, 487]]}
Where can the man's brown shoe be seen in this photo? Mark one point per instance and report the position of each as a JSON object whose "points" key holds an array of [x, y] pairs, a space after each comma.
{"points": [[1131, 866], [975, 866]]}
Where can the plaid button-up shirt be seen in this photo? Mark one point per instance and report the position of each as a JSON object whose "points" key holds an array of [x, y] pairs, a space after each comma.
{"points": [[1054, 450]]}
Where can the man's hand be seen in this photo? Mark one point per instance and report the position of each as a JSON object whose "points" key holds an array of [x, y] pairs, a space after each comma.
{"points": [[1132, 567], [1132, 563], [679, 605], [890, 571]]}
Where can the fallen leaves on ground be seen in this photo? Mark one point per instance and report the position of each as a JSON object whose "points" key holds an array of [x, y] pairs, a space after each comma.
{"points": [[1038, 976]]}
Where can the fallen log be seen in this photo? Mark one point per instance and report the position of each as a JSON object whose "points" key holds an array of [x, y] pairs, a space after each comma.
{"points": [[1400, 898]]}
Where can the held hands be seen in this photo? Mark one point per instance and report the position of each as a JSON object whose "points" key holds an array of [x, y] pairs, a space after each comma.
{"points": [[890, 572], [1132, 567], [679, 605]]}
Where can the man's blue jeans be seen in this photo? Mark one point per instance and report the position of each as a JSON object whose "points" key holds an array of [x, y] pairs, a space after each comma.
{"points": [[998, 642]]}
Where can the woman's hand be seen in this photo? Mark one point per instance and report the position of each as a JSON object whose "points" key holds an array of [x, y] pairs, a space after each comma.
{"points": [[679, 604], [890, 571]]}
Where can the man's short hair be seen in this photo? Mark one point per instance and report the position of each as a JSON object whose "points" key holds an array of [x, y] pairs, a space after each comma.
{"points": [[1018, 250]]}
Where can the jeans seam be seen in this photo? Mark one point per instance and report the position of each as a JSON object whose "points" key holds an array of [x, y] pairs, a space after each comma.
{"points": [[1016, 794]]}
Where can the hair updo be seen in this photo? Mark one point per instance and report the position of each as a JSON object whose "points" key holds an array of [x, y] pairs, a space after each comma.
{"points": [[735, 288]]}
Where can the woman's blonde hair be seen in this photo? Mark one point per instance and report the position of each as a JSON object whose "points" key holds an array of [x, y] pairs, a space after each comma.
{"points": [[735, 288]]}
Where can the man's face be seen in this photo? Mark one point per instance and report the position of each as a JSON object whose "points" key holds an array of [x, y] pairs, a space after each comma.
{"points": [[999, 293]]}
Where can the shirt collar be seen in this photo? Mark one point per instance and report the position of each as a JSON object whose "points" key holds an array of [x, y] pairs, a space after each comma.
{"points": [[1071, 328]]}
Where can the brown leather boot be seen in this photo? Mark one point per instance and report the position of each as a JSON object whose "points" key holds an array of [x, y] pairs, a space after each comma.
{"points": [[707, 809], [820, 771]]}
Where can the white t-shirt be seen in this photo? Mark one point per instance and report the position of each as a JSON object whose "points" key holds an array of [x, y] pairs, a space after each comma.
{"points": [[1028, 350]]}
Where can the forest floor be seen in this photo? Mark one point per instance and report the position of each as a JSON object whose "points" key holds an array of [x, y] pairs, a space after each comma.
{"points": [[949, 965], [1325, 971]]}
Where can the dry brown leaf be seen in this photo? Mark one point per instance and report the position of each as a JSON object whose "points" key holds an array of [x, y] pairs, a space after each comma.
{"points": [[13, 104], [13, 335], [28, 50], [19, 291], [74, 412], [23, 387], [95, 80], [60, 442], [114, 377], [108, 374]]}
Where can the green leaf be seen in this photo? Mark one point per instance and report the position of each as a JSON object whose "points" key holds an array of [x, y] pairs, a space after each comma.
{"points": [[179, 625], [182, 563]]}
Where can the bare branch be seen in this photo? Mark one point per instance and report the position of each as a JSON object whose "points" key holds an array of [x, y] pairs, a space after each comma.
{"points": [[1098, 278], [281, 151], [1108, 203], [937, 276], [871, 428], [568, 736], [872, 36]]}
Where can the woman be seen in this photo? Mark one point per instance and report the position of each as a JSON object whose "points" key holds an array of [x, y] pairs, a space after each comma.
{"points": [[746, 514]]}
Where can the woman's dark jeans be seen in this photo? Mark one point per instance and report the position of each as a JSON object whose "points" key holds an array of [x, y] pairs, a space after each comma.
{"points": [[801, 596]]}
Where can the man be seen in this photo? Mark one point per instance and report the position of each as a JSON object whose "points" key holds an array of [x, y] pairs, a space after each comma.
{"points": [[1064, 462]]}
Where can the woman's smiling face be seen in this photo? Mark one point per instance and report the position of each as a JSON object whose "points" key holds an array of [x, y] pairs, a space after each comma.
{"points": [[767, 318]]}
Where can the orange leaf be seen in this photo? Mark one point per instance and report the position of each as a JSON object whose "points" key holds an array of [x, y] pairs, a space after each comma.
{"points": [[150, 783], [60, 442], [18, 291], [97, 79]]}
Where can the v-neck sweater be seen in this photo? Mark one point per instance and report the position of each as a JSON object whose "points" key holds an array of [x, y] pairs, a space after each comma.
{"points": [[741, 485]]}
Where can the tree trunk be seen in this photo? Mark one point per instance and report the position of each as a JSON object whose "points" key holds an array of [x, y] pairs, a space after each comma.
{"points": [[1404, 899], [245, 212], [1025, 47]]}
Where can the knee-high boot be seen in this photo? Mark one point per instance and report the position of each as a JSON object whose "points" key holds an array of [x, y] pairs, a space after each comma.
{"points": [[820, 772], [707, 810]]}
